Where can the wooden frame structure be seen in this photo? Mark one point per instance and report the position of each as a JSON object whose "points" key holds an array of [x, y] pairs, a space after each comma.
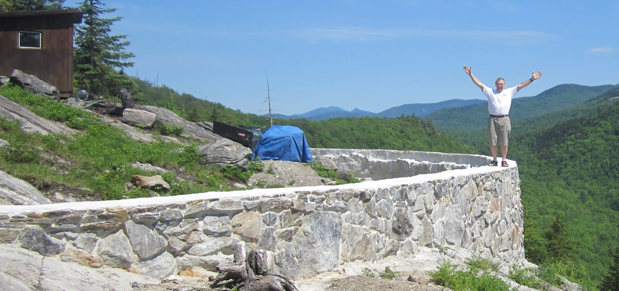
{"points": [[40, 43]]}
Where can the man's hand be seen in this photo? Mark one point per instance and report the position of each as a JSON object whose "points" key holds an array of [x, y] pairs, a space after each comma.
{"points": [[469, 70], [537, 75]]}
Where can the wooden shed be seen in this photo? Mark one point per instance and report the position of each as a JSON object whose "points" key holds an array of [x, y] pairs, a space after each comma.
{"points": [[40, 43]]}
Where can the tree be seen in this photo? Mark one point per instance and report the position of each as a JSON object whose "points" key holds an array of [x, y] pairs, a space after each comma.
{"points": [[559, 242], [100, 57], [29, 5], [611, 278], [534, 243]]}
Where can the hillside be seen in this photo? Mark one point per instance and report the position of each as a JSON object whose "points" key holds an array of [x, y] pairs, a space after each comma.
{"points": [[571, 170], [550, 119], [422, 110], [474, 117], [403, 132]]}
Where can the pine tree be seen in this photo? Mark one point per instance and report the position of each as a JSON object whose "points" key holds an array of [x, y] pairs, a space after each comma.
{"points": [[29, 5], [534, 243], [559, 243], [611, 278], [98, 55]]}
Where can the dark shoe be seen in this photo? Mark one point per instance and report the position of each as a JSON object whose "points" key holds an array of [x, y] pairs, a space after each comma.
{"points": [[493, 164], [504, 164]]}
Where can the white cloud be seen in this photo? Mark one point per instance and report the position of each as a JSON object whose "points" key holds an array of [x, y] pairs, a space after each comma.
{"points": [[602, 50], [364, 34], [347, 34]]}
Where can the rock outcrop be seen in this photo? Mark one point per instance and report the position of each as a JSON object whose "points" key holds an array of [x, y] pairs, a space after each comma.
{"points": [[225, 152], [34, 84], [137, 117], [30, 122], [14, 191], [190, 129], [22, 269]]}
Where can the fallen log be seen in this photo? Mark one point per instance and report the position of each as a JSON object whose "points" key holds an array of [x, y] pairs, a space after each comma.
{"points": [[252, 276]]}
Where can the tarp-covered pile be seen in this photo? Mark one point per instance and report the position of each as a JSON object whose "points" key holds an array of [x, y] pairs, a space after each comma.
{"points": [[285, 143]]}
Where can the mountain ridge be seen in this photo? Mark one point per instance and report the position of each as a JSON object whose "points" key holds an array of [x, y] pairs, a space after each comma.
{"points": [[553, 99], [417, 109]]}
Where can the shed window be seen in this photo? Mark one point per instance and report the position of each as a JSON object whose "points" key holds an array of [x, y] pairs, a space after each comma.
{"points": [[30, 39]]}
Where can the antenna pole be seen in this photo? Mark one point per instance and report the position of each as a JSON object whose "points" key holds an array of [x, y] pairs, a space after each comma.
{"points": [[269, 99]]}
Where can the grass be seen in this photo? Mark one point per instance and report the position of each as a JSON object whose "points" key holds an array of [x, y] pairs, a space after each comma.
{"points": [[99, 158], [332, 174], [476, 276], [387, 275], [526, 277]]}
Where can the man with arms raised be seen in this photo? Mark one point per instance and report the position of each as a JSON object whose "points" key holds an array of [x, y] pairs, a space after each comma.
{"points": [[499, 102]]}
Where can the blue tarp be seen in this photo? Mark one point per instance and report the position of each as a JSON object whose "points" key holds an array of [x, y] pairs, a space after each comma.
{"points": [[285, 143]]}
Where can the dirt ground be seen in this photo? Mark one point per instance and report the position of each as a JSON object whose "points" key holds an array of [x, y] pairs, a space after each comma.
{"points": [[286, 174], [413, 274]]}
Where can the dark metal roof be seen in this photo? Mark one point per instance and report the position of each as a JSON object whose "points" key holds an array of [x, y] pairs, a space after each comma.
{"points": [[76, 13]]}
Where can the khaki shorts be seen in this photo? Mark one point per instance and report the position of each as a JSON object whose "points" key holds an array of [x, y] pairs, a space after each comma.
{"points": [[498, 130]]}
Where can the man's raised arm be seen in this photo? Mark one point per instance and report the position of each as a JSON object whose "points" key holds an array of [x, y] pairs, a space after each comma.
{"points": [[469, 71], [528, 82]]}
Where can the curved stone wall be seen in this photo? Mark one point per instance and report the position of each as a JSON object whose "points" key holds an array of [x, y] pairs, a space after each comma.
{"points": [[305, 231]]}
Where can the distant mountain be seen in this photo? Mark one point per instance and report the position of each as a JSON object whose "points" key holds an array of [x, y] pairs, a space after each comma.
{"points": [[417, 109], [321, 111], [326, 113], [421, 110], [342, 114], [474, 117]]}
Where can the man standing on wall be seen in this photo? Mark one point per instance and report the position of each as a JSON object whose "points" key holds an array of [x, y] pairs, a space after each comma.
{"points": [[499, 102]]}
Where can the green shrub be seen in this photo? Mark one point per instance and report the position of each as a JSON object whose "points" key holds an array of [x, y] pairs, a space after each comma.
{"points": [[466, 279], [368, 273], [525, 277], [390, 274], [236, 172], [256, 167], [189, 156], [21, 155], [77, 123], [168, 129], [548, 273], [9, 125], [332, 174]]}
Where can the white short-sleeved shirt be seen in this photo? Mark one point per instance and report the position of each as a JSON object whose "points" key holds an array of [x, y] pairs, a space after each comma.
{"points": [[499, 103]]}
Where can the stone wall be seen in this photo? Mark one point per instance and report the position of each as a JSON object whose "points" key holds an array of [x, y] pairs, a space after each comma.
{"points": [[305, 231]]}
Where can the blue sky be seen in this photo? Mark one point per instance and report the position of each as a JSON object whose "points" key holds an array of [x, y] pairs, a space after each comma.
{"points": [[365, 54]]}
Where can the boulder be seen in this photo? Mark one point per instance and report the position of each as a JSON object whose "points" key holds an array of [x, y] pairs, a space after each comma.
{"points": [[4, 80], [137, 117], [21, 269], [327, 162], [225, 152], [190, 129], [150, 182], [34, 84], [19, 192], [161, 266], [30, 122]]}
